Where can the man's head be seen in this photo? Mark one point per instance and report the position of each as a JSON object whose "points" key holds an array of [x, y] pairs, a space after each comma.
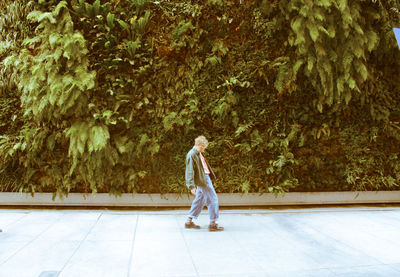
{"points": [[201, 143]]}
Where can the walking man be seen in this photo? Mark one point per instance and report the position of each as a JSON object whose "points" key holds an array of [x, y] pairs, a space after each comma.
{"points": [[198, 179]]}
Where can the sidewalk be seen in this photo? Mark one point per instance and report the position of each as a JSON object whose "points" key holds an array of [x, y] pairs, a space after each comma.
{"points": [[320, 242]]}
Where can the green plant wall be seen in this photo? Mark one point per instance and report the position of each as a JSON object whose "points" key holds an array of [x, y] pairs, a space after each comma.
{"points": [[108, 96]]}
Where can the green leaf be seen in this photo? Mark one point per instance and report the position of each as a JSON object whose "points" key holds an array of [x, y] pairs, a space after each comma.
{"points": [[245, 187], [96, 7], [213, 60], [372, 40], [352, 83], [319, 107], [89, 10], [123, 24], [297, 65], [53, 39], [310, 63], [51, 142], [110, 20], [49, 16], [17, 146], [60, 6], [297, 24], [99, 137], [342, 4], [347, 97], [313, 31], [363, 71], [132, 47], [121, 143], [324, 3]]}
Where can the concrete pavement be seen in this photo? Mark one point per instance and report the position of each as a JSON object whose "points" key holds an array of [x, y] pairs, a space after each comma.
{"points": [[324, 242]]}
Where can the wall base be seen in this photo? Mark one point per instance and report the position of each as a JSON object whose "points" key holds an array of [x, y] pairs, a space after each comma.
{"points": [[176, 200]]}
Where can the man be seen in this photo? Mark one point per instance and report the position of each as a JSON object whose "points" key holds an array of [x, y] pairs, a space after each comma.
{"points": [[198, 179]]}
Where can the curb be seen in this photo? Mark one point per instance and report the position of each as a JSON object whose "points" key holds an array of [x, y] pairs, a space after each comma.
{"points": [[185, 200]]}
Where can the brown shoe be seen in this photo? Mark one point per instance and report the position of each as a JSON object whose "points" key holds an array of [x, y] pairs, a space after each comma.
{"points": [[191, 225], [215, 228]]}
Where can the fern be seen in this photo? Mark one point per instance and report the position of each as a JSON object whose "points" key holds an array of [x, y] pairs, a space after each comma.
{"points": [[316, 38], [49, 92], [180, 29]]}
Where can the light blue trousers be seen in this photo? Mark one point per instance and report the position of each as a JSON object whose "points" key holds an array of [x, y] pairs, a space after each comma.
{"points": [[205, 196]]}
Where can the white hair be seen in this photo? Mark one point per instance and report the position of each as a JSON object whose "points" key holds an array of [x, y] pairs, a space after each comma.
{"points": [[201, 141]]}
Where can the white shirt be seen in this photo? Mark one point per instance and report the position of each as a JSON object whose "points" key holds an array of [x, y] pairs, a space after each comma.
{"points": [[203, 161]]}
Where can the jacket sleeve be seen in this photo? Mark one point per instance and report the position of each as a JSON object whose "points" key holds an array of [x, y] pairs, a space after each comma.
{"points": [[189, 174]]}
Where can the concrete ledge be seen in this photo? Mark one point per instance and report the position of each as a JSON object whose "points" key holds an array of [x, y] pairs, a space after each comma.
{"points": [[176, 200]]}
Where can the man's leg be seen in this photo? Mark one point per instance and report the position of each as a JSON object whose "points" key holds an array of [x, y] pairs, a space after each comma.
{"points": [[212, 205], [195, 210]]}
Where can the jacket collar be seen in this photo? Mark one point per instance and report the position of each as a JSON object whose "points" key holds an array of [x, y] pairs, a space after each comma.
{"points": [[195, 150]]}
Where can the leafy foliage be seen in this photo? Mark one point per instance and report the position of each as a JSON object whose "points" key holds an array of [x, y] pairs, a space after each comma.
{"points": [[293, 95]]}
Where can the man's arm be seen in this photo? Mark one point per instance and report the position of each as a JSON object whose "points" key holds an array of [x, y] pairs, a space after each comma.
{"points": [[189, 174]]}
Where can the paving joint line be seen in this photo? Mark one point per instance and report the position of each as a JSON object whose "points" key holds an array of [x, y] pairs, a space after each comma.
{"points": [[187, 246], [80, 244], [133, 246], [349, 246], [29, 242], [243, 249]]}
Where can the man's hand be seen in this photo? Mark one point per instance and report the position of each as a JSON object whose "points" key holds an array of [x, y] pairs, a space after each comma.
{"points": [[193, 191]]}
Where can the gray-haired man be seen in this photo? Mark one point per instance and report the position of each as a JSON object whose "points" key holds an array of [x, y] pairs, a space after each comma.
{"points": [[198, 179]]}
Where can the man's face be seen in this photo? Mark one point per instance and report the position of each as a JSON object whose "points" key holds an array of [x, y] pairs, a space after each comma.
{"points": [[201, 148]]}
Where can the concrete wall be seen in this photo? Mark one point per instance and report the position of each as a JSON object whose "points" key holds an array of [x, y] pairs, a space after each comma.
{"points": [[175, 200]]}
